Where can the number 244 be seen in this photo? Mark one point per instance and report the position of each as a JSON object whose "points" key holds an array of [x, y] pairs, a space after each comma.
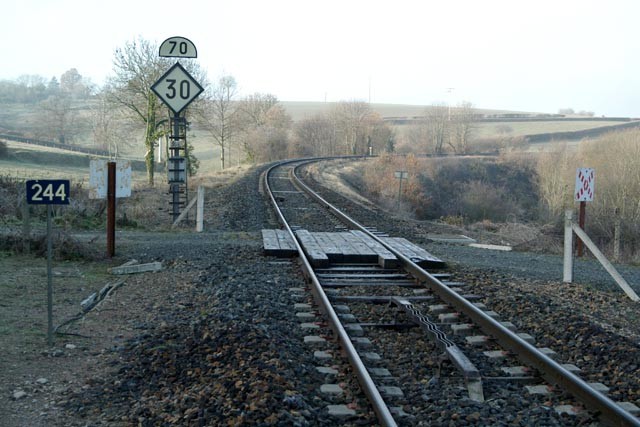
{"points": [[48, 192]]}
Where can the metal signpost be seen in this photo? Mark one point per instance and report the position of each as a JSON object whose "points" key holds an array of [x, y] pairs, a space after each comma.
{"points": [[584, 189], [110, 180], [48, 192], [400, 175], [177, 89]]}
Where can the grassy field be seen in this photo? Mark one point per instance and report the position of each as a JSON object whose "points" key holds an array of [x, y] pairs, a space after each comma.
{"points": [[27, 161], [487, 130], [301, 110]]}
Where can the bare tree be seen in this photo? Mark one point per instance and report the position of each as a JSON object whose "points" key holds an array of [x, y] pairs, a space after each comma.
{"points": [[218, 114], [265, 126], [461, 125], [380, 136], [350, 120], [314, 136], [108, 132], [436, 123], [254, 108], [73, 84], [58, 118], [137, 67]]}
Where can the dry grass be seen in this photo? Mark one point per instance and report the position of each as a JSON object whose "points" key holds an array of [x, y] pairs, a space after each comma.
{"points": [[493, 129]]}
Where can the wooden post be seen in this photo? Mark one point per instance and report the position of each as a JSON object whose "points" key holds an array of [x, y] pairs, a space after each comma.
{"points": [[111, 209], [200, 210], [583, 206], [567, 272]]}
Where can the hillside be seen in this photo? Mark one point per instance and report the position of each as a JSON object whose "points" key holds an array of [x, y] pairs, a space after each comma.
{"points": [[300, 110]]}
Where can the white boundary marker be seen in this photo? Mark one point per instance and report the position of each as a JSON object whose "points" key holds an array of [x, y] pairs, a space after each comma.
{"points": [[568, 258]]}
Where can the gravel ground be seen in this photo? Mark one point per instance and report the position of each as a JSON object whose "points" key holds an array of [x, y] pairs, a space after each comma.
{"points": [[213, 338]]}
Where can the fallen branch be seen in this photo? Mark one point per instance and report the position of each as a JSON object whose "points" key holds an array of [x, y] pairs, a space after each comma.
{"points": [[129, 268], [89, 304]]}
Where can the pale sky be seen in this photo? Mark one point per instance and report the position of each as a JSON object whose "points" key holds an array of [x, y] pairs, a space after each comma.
{"points": [[503, 54]]}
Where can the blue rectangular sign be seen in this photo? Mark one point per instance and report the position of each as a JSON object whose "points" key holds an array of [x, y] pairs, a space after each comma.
{"points": [[48, 192]]}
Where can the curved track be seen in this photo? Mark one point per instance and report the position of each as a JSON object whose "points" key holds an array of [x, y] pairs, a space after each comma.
{"points": [[555, 373]]}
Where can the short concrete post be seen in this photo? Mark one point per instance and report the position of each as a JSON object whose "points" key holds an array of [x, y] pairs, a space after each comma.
{"points": [[567, 272], [200, 210]]}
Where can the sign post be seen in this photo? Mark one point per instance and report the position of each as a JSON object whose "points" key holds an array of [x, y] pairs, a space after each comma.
{"points": [[400, 175], [48, 192], [111, 209], [110, 180], [177, 89], [584, 189]]}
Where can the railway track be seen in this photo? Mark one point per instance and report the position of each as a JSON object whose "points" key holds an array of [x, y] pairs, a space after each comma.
{"points": [[415, 338]]}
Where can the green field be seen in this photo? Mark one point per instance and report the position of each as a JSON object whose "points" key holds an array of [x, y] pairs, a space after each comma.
{"points": [[28, 161], [491, 129], [301, 110]]}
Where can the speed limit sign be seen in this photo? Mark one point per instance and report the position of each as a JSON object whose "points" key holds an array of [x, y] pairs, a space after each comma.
{"points": [[177, 88]]}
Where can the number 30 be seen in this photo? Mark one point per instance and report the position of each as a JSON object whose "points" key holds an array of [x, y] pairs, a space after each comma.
{"points": [[185, 89]]}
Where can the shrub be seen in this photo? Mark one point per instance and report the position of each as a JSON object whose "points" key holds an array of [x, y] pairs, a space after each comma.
{"points": [[483, 201], [476, 189]]}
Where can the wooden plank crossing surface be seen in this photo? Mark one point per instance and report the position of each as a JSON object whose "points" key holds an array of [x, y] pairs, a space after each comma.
{"points": [[414, 252], [351, 247], [278, 243], [317, 256]]}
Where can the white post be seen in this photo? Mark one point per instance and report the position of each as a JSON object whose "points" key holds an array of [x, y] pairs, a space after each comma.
{"points": [[606, 264], [567, 272], [200, 210]]}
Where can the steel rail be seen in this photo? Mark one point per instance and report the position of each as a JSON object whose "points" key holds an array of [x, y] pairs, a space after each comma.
{"points": [[366, 382], [595, 401]]}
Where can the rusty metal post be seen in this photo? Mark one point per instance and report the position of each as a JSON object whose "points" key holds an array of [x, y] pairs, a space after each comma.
{"points": [[111, 209], [581, 216]]}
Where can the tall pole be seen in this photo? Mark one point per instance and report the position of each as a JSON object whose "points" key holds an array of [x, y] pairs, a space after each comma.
{"points": [[176, 162], [581, 217], [111, 209], [49, 281], [450, 91], [399, 190]]}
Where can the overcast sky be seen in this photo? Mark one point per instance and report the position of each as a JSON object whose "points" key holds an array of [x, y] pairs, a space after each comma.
{"points": [[522, 55]]}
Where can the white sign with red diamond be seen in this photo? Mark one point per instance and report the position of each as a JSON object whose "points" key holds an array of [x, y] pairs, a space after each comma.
{"points": [[585, 182]]}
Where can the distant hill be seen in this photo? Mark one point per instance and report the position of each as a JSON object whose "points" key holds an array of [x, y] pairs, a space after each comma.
{"points": [[299, 110]]}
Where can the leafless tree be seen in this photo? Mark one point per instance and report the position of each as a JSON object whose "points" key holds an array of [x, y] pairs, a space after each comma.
{"points": [[380, 137], [108, 131], [137, 67], [58, 118], [73, 84], [265, 126], [436, 124], [218, 114], [254, 108], [314, 136], [461, 124], [350, 120]]}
